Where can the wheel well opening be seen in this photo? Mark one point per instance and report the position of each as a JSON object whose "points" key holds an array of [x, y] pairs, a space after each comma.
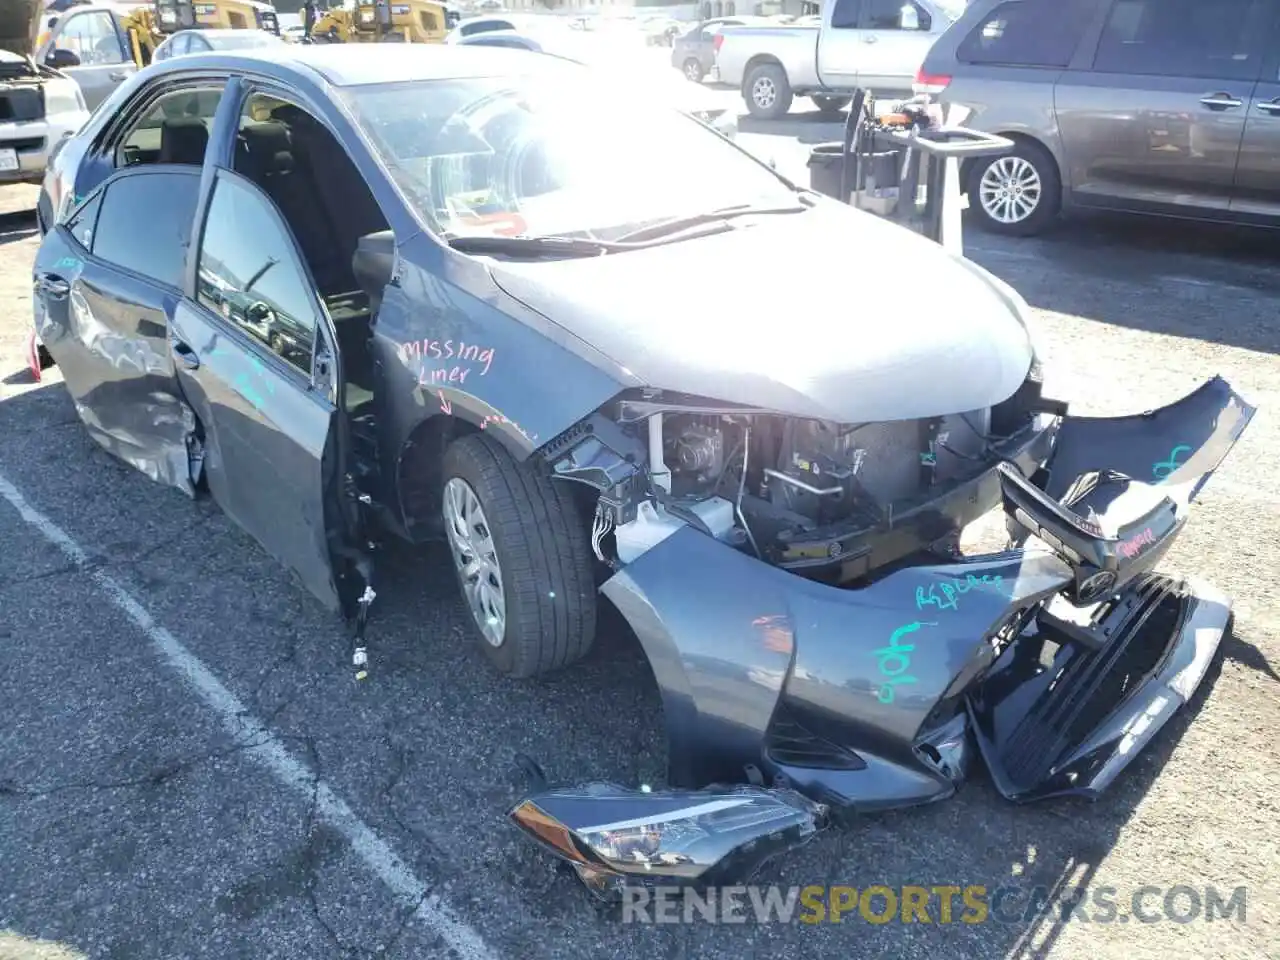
{"points": [[418, 477], [759, 60], [966, 166]]}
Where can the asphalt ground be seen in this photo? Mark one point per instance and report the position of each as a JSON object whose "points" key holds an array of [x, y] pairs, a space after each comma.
{"points": [[188, 768]]}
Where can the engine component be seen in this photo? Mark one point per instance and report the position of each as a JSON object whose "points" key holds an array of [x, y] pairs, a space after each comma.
{"points": [[817, 472], [654, 523], [694, 448], [831, 473]]}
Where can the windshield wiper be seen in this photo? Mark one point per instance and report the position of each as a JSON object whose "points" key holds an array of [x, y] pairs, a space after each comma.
{"points": [[677, 224], [533, 246]]}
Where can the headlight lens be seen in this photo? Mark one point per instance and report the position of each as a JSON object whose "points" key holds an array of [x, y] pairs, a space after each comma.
{"points": [[613, 836], [63, 96]]}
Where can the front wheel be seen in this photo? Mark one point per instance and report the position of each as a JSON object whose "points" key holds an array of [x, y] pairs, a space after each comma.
{"points": [[522, 556], [1018, 194], [767, 91], [693, 70]]}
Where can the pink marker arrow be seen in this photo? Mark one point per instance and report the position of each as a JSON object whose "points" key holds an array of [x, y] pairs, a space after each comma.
{"points": [[445, 406]]}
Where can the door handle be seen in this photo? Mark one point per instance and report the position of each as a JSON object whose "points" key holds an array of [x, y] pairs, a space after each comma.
{"points": [[186, 356], [118, 75], [1220, 101], [55, 288], [1269, 106]]}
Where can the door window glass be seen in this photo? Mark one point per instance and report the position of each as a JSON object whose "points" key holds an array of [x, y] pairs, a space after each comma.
{"points": [[1028, 33], [845, 15], [895, 15], [250, 274], [145, 224], [92, 37], [175, 129], [1184, 38]]}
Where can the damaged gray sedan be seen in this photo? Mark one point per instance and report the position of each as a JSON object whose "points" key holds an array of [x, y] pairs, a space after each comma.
{"points": [[449, 294]]}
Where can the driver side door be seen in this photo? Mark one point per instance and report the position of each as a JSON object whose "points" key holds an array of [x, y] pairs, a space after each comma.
{"points": [[105, 61], [255, 359]]}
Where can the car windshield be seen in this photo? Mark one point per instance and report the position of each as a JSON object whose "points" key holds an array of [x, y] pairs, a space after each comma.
{"points": [[514, 156]]}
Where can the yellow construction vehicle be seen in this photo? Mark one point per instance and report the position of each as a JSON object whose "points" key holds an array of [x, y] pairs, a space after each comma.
{"points": [[394, 21], [146, 24], [174, 15]]}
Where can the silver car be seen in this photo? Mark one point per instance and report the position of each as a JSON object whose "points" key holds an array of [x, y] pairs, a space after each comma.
{"points": [[40, 106], [693, 52], [203, 41], [1151, 106]]}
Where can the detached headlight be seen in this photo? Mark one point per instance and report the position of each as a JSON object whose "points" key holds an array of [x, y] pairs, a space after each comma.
{"points": [[62, 95], [614, 837]]}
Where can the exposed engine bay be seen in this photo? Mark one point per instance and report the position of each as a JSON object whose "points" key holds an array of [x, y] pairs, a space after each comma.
{"points": [[21, 88], [804, 495]]}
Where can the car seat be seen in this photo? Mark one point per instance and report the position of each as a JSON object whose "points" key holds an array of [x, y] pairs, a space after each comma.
{"points": [[183, 140]]}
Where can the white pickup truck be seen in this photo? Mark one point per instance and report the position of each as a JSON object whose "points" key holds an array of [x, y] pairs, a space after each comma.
{"points": [[874, 44]]}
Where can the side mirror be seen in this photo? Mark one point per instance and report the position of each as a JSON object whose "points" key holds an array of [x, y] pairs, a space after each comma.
{"points": [[910, 18], [60, 59]]}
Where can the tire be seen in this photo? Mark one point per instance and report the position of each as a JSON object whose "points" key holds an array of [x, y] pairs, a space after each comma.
{"points": [[767, 91], [1028, 165], [545, 571], [829, 106], [693, 71]]}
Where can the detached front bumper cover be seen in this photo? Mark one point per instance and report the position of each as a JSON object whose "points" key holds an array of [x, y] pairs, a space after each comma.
{"points": [[1060, 660]]}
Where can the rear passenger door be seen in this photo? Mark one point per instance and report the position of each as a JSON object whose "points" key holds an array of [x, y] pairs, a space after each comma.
{"points": [[1156, 119], [840, 45], [895, 36], [1257, 184], [106, 281]]}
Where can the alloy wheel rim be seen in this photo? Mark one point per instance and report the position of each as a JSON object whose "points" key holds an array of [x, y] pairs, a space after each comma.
{"points": [[763, 92], [1010, 190], [476, 560]]}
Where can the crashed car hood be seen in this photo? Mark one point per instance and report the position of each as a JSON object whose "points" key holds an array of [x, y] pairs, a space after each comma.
{"points": [[19, 26], [832, 314]]}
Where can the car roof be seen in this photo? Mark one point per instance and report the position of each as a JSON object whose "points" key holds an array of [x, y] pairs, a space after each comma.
{"points": [[354, 64], [220, 31]]}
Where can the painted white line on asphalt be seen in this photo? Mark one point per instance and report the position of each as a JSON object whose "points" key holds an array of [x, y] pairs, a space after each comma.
{"points": [[268, 749]]}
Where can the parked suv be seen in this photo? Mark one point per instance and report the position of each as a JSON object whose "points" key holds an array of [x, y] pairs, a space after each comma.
{"points": [[1153, 106]]}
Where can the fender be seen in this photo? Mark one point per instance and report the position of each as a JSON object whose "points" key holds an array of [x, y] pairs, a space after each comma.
{"points": [[449, 345]]}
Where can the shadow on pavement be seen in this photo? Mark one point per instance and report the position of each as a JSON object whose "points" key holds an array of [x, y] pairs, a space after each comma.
{"points": [[811, 127], [17, 225], [1210, 282]]}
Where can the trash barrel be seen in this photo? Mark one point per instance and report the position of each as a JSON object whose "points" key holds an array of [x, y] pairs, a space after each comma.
{"points": [[878, 169], [827, 163]]}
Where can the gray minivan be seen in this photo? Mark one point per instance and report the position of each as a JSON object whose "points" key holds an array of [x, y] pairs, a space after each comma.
{"points": [[1150, 106]]}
